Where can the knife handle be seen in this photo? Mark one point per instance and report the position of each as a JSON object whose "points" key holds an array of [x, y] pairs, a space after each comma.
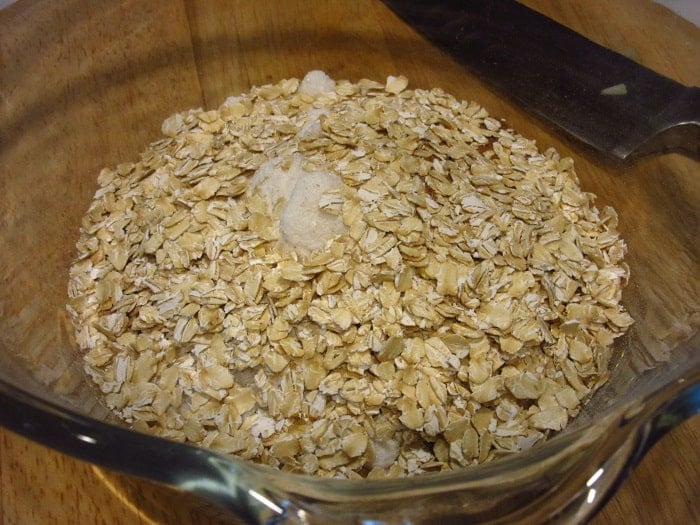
{"points": [[677, 128]]}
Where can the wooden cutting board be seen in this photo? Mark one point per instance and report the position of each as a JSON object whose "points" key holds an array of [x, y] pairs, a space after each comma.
{"points": [[40, 486]]}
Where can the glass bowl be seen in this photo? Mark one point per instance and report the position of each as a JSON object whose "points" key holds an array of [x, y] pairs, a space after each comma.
{"points": [[86, 85]]}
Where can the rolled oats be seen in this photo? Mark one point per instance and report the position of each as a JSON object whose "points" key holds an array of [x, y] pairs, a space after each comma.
{"points": [[348, 280]]}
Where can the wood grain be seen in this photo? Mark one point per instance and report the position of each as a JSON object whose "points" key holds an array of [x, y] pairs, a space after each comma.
{"points": [[78, 93]]}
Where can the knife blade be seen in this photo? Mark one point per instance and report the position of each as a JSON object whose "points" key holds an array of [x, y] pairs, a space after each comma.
{"points": [[596, 95]]}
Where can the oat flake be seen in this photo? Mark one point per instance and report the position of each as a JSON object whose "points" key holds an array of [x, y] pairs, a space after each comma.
{"points": [[348, 280]]}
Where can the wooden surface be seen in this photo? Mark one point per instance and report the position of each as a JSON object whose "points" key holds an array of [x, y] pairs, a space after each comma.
{"points": [[73, 85]]}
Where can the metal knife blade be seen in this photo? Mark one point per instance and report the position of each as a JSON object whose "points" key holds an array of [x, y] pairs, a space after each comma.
{"points": [[596, 95]]}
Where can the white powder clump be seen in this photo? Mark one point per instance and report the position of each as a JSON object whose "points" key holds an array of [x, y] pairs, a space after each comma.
{"points": [[312, 129], [384, 452], [293, 198], [292, 194], [233, 99], [303, 224], [316, 82], [275, 179]]}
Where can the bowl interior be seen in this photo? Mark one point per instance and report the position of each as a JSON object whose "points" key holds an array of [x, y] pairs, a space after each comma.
{"points": [[94, 94]]}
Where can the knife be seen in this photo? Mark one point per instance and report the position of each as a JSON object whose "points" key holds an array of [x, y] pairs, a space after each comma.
{"points": [[600, 97]]}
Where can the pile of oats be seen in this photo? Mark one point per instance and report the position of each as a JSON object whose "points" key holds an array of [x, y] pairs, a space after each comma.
{"points": [[348, 280]]}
